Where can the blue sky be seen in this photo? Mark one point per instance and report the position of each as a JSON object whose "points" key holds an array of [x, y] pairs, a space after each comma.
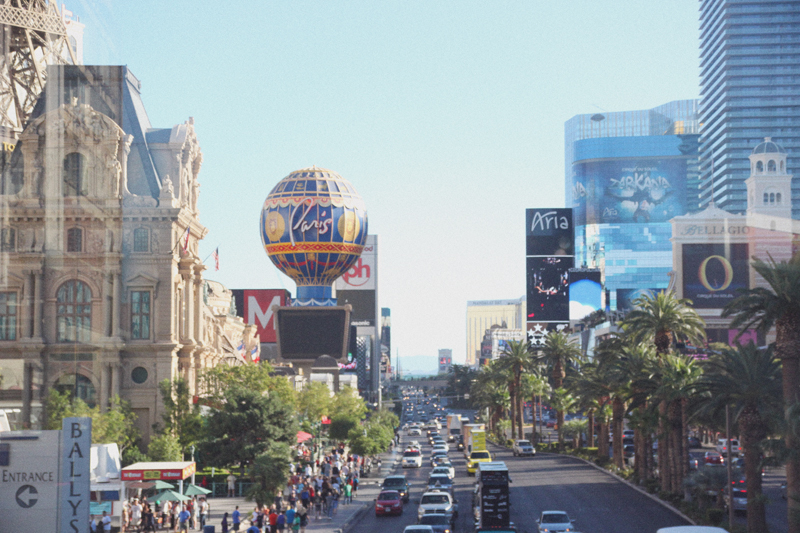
{"points": [[447, 116]]}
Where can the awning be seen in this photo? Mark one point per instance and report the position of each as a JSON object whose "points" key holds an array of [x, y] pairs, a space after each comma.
{"points": [[302, 436], [167, 471]]}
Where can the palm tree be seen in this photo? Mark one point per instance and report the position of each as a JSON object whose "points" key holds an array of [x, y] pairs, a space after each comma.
{"points": [[659, 320], [533, 385], [516, 358], [749, 380], [556, 354], [490, 391], [562, 401], [778, 305]]}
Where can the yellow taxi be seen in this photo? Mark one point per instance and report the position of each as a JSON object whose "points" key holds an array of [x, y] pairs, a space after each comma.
{"points": [[478, 456]]}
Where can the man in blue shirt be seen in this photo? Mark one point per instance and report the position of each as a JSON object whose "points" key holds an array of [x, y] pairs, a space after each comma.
{"points": [[253, 528], [183, 520], [237, 518]]}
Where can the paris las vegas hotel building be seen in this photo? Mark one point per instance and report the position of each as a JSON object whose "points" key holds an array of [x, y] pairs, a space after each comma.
{"points": [[101, 289]]}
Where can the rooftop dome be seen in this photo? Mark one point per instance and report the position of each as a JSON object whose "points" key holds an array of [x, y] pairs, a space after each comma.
{"points": [[769, 147]]}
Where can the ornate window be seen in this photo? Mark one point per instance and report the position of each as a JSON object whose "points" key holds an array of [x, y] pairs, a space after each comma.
{"points": [[75, 175], [766, 198], [141, 240], [759, 166], [74, 312], [772, 197], [771, 166], [8, 240], [8, 316], [140, 314], [74, 240]]}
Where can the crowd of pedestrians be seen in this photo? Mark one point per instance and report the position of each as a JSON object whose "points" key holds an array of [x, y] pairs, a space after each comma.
{"points": [[139, 516]]}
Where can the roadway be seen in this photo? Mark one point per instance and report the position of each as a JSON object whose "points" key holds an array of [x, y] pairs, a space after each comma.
{"points": [[594, 499]]}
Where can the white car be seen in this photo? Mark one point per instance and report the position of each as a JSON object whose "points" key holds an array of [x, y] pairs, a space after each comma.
{"points": [[418, 529], [414, 432], [437, 502], [554, 522], [412, 459], [440, 448], [446, 470], [523, 447]]}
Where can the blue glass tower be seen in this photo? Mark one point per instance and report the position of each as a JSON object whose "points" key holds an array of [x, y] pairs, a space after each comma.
{"points": [[628, 173], [750, 89]]}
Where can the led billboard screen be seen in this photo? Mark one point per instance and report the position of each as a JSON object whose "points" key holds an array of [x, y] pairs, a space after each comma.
{"points": [[363, 302], [629, 190], [626, 297], [713, 273], [308, 332], [255, 307], [585, 293], [548, 288], [549, 232]]}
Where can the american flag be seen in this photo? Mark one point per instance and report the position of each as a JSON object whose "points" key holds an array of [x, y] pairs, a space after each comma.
{"points": [[215, 255], [186, 240]]}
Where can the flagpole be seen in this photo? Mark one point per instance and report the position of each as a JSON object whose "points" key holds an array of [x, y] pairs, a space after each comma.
{"points": [[212, 253]]}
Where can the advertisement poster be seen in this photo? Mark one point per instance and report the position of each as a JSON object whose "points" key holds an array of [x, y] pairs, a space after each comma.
{"points": [[585, 293], [254, 306], [713, 273], [548, 288], [549, 232], [629, 190]]}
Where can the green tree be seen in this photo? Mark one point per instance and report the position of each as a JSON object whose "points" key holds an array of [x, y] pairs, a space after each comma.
{"points": [[181, 414], [534, 385], [217, 380], [164, 448], [489, 391], [516, 359], [314, 401], [245, 427], [778, 305], [370, 439], [556, 354], [269, 473], [749, 381], [347, 401], [340, 426], [563, 402], [459, 383]]}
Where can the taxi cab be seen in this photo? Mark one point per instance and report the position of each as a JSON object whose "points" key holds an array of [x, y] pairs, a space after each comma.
{"points": [[476, 457]]}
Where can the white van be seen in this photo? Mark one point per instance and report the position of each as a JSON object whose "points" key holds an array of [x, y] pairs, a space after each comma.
{"points": [[692, 529]]}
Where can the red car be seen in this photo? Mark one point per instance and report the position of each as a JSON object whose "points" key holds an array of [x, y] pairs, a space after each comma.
{"points": [[551, 423], [389, 502], [714, 458]]}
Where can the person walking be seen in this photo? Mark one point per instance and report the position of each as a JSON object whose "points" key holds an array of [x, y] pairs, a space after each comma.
{"points": [[303, 515], [183, 520], [273, 520], [204, 510], [231, 479], [106, 522], [348, 492], [280, 523], [224, 524], [237, 518]]}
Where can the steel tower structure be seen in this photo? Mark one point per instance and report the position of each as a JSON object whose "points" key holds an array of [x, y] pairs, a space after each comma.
{"points": [[33, 34]]}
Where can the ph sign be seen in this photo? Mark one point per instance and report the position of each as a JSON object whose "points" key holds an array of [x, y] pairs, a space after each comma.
{"points": [[73, 493]]}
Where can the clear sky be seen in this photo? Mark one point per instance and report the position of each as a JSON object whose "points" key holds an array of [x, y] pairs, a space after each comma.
{"points": [[447, 116]]}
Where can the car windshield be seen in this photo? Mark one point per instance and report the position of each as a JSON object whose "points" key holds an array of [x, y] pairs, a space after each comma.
{"points": [[523, 443], [480, 455], [394, 482], [434, 498], [412, 453], [442, 480], [435, 519], [555, 518]]}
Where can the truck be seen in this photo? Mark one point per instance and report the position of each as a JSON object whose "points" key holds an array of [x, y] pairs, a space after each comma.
{"points": [[467, 430], [453, 427], [491, 502]]}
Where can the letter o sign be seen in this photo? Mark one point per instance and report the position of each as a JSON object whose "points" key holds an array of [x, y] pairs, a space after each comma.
{"points": [[702, 273]]}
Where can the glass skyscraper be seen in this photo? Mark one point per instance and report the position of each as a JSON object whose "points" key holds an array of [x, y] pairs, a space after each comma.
{"points": [[750, 89], [627, 174]]}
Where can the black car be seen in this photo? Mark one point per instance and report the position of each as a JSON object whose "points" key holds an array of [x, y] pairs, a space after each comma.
{"points": [[438, 521], [694, 442], [398, 483]]}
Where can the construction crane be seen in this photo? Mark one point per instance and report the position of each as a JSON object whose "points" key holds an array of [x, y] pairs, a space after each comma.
{"points": [[33, 34]]}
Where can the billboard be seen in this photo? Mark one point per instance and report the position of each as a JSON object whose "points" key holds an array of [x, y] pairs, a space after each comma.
{"points": [[549, 232], [364, 306], [585, 293], [626, 297], [308, 332], [362, 275], [629, 190], [548, 288], [255, 307], [713, 273]]}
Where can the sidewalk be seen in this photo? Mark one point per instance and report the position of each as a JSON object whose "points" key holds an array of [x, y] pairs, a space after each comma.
{"points": [[368, 489]]}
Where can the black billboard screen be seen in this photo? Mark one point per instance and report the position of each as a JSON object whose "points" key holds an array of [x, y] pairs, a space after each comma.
{"points": [[308, 332], [713, 273], [548, 288], [363, 303], [549, 232]]}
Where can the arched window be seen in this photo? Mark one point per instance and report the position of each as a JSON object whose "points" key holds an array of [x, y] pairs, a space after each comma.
{"points": [[771, 166], [759, 166], [74, 240], [141, 240], [75, 175], [77, 386], [74, 312], [766, 198]]}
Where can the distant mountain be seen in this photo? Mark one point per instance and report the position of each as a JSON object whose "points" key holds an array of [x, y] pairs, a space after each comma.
{"points": [[418, 365]]}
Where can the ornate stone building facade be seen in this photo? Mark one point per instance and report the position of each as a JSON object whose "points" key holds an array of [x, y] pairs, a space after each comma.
{"points": [[101, 287]]}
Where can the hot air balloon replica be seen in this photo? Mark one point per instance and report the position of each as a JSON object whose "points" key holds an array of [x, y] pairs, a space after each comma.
{"points": [[313, 226]]}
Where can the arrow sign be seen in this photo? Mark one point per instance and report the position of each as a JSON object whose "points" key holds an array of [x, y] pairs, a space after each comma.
{"points": [[25, 497]]}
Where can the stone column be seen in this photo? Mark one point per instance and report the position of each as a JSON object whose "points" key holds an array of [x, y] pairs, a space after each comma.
{"points": [[116, 306], [115, 378], [27, 393], [26, 306], [103, 400], [37, 305], [188, 319], [198, 304]]}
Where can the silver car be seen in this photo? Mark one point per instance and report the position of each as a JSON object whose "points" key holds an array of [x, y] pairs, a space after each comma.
{"points": [[554, 522]]}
